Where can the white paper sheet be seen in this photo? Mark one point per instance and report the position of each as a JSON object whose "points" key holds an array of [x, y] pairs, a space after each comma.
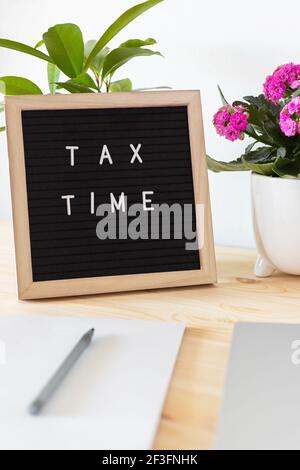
{"points": [[111, 399]]}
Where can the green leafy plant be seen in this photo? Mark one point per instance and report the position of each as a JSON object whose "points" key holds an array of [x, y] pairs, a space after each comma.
{"points": [[271, 120], [77, 67]]}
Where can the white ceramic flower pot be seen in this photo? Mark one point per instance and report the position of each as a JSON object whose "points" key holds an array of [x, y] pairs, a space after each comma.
{"points": [[276, 220]]}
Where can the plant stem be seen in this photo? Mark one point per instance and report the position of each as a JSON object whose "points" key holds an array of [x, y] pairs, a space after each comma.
{"points": [[97, 78]]}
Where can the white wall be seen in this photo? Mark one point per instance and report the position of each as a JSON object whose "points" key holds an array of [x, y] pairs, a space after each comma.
{"points": [[233, 43]]}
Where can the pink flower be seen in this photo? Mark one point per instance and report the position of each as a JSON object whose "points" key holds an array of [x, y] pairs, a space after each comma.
{"points": [[231, 133], [285, 73], [231, 121], [220, 129], [294, 105], [221, 117], [281, 75], [284, 115], [290, 118], [288, 127], [295, 84], [274, 89], [239, 121], [281, 83]]}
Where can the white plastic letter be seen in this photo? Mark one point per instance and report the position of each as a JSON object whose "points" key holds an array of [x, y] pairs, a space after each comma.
{"points": [[105, 155], [68, 198], [72, 149], [145, 201], [118, 205], [136, 153], [92, 202]]}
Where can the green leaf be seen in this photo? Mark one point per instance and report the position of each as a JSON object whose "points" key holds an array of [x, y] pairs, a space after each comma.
{"points": [[295, 154], [2, 129], [1, 107], [138, 42], [39, 44], [239, 103], [19, 46], [272, 130], [84, 80], [120, 85], [262, 103], [257, 161], [264, 116], [72, 87], [260, 168], [260, 161], [53, 76], [126, 18], [223, 99], [285, 167], [98, 60], [260, 155], [295, 93], [259, 136], [281, 152], [217, 166], [65, 46], [250, 147], [118, 57], [18, 86], [257, 116]]}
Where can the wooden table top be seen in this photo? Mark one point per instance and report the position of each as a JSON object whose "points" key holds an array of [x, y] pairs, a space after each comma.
{"points": [[191, 409]]}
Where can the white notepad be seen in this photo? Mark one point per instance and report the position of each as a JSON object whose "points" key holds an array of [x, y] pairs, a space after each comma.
{"points": [[111, 399]]}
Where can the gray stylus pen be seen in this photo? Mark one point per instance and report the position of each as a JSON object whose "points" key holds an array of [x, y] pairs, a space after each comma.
{"points": [[50, 387]]}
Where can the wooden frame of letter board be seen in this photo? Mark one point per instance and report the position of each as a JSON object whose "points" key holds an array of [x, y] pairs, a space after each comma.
{"points": [[27, 289]]}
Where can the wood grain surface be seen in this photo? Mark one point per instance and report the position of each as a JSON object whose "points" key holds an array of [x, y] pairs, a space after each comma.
{"points": [[191, 409]]}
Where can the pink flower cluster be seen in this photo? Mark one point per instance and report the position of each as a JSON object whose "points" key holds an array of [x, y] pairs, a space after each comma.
{"points": [[284, 79], [290, 118], [231, 122]]}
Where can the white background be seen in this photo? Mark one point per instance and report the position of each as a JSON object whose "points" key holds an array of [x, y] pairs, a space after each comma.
{"points": [[233, 43]]}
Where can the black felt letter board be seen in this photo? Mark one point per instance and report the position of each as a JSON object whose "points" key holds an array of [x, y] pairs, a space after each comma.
{"points": [[66, 246]]}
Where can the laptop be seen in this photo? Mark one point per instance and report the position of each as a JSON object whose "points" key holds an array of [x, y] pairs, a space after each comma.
{"points": [[261, 403]]}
